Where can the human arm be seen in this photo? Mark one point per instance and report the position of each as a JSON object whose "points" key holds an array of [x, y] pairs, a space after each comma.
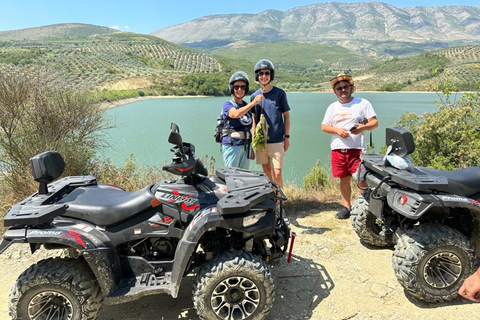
{"points": [[342, 132], [470, 288], [235, 113], [286, 119]]}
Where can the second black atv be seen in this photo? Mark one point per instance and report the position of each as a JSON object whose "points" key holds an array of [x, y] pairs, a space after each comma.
{"points": [[431, 216]]}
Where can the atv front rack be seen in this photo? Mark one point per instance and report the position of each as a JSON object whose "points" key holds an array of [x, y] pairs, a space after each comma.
{"points": [[245, 189]]}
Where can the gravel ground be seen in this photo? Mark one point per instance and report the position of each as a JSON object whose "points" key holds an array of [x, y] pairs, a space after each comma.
{"points": [[331, 276]]}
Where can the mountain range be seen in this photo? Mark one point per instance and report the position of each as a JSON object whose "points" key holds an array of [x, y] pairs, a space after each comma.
{"points": [[361, 27]]}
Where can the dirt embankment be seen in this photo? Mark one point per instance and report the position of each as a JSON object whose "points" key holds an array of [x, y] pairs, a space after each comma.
{"points": [[331, 276]]}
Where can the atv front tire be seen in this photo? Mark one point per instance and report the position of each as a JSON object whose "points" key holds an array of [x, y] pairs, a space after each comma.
{"points": [[364, 223], [431, 261], [57, 289], [234, 285]]}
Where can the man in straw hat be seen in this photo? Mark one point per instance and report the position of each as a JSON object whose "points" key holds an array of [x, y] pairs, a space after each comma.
{"points": [[346, 120]]}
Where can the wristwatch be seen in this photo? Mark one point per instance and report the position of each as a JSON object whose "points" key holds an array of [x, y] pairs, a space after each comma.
{"points": [[286, 136]]}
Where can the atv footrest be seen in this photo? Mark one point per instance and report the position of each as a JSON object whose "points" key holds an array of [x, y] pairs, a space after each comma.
{"points": [[129, 288], [150, 280]]}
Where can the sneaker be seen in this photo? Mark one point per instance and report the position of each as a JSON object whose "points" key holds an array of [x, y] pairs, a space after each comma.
{"points": [[343, 214]]}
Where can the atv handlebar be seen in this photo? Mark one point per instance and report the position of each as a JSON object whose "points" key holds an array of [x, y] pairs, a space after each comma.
{"points": [[282, 195]]}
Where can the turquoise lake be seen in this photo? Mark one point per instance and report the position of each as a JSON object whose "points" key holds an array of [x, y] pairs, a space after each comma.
{"points": [[142, 128]]}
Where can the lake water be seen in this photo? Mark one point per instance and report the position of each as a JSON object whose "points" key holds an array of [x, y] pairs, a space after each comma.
{"points": [[142, 127]]}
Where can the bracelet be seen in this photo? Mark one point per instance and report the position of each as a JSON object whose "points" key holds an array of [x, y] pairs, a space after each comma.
{"points": [[286, 136]]}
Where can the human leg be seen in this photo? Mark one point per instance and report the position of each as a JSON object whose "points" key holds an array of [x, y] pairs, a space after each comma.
{"points": [[277, 177], [346, 191], [267, 169], [234, 156], [340, 170], [276, 153]]}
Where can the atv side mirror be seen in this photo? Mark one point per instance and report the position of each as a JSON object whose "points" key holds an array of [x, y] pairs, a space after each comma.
{"points": [[175, 137]]}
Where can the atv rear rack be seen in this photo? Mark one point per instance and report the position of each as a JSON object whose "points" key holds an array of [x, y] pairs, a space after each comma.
{"points": [[416, 180], [41, 208]]}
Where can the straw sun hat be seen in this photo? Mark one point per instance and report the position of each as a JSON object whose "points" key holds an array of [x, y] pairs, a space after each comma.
{"points": [[342, 77]]}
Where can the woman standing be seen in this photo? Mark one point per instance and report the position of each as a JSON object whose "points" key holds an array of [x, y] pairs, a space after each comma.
{"points": [[236, 136]]}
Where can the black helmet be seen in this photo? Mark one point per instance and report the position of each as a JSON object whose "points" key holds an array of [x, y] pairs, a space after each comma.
{"points": [[238, 76], [264, 64]]}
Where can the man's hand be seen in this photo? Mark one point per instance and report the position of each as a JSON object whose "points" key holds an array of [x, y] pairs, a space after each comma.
{"points": [[342, 132], [470, 288]]}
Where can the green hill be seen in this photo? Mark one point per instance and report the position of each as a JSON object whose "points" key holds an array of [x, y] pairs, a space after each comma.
{"points": [[423, 72], [298, 65], [55, 31], [104, 60], [93, 58]]}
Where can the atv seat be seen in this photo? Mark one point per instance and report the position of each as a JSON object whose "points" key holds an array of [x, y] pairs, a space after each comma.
{"points": [[462, 182], [105, 205]]}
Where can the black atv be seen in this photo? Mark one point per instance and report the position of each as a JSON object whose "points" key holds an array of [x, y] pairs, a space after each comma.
{"points": [[125, 245], [431, 216]]}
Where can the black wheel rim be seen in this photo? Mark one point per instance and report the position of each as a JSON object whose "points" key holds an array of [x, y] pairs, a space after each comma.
{"points": [[442, 270], [50, 305], [235, 298]]}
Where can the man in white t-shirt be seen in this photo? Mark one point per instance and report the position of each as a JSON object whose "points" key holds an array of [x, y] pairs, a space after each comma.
{"points": [[346, 120]]}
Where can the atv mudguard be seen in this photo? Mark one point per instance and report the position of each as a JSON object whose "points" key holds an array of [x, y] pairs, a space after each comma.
{"points": [[211, 219], [94, 246]]}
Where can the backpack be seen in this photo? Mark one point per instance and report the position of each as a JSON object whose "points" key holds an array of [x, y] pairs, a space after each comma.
{"points": [[219, 133]]}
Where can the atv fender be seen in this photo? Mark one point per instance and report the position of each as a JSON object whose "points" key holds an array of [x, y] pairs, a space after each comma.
{"points": [[96, 249], [210, 219]]}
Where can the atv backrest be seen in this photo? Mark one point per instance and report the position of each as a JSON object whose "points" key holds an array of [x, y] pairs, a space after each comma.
{"points": [[46, 167], [401, 141]]}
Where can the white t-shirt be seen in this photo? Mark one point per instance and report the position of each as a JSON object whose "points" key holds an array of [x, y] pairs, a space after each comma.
{"points": [[345, 115]]}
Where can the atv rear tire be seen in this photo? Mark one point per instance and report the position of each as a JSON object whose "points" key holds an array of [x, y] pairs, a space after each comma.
{"points": [[234, 285], [431, 261], [57, 289], [363, 222]]}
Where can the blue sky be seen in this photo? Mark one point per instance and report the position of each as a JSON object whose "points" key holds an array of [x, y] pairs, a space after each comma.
{"points": [[146, 16]]}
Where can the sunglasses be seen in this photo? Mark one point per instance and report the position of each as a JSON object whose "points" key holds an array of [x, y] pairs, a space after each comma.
{"points": [[342, 88], [266, 73], [239, 87]]}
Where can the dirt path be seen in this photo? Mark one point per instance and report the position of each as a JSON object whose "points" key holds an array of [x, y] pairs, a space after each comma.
{"points": [[331, 276]]}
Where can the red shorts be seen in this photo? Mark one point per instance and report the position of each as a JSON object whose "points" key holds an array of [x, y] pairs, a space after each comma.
{"points": [[345, 162]]}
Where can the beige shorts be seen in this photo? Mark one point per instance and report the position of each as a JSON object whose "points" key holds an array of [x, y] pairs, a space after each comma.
{"points": [[273, 153]]}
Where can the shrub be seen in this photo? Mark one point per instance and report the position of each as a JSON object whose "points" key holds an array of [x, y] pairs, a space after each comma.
{"points": [[317, 178], [447, 139]]}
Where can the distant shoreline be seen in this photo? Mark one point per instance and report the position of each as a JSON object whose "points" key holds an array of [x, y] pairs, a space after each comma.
{"points": [[121, 102]]}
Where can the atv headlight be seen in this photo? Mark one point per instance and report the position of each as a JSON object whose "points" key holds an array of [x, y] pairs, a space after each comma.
{"points": [[251, 220]]}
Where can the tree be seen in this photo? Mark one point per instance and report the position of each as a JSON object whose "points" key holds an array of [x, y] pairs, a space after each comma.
{"points": [[447, 139]]}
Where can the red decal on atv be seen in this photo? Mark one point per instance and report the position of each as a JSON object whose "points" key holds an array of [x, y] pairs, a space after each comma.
{"points": [[155, 203], [175, 192], [475, 203], [185, 207], [185, 169], [167, 219], [75, 235]]}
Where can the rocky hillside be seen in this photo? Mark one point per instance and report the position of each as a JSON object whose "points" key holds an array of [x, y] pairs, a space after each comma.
{"points": [[347, 24], [55, 30]]}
